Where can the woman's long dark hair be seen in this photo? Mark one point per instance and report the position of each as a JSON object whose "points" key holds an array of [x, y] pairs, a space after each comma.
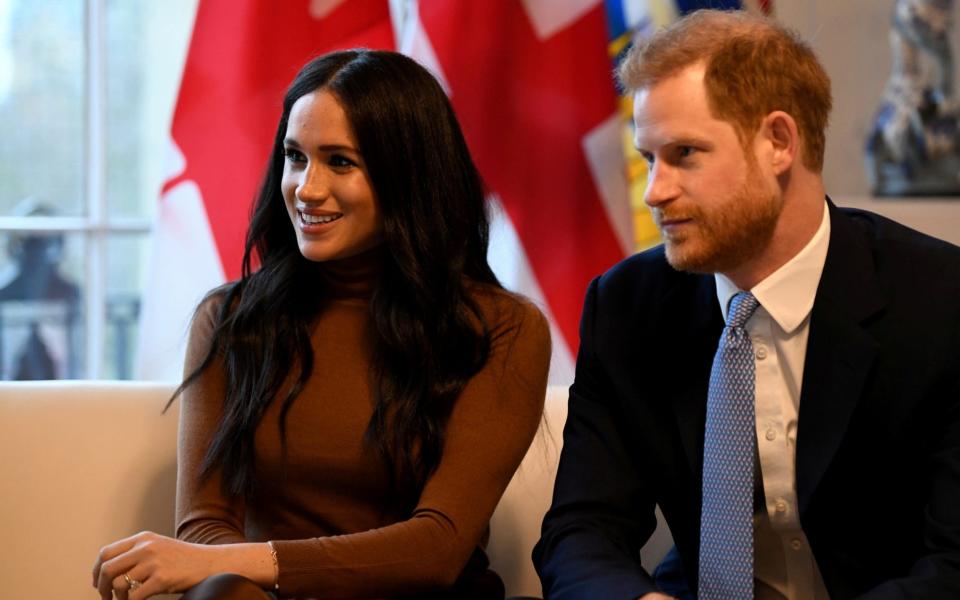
{"points": [[429, 336]]}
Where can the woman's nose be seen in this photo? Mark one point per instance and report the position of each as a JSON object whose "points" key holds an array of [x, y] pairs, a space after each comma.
{"points": [[314, 187]]}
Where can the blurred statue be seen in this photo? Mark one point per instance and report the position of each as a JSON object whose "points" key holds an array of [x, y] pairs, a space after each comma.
{"points": [[37, 280], [914, 147]]}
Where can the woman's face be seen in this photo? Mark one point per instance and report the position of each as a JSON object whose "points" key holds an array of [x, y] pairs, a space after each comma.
{"points": [[325, 183]]}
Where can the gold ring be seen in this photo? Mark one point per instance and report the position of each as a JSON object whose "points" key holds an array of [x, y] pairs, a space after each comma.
{"points": [[132, 583]]}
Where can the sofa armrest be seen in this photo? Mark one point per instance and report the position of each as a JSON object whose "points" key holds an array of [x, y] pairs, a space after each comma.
{"points": [[83, 463]]}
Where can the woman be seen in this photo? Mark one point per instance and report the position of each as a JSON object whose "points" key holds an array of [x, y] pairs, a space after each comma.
{"points": [[354, 407]]}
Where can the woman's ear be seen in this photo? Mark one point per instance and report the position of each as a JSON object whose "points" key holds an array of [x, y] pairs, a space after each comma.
{"points": [[779, 130]]}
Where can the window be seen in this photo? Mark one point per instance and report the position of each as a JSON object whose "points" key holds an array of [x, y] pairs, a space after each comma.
{"points": [[87, 90]]}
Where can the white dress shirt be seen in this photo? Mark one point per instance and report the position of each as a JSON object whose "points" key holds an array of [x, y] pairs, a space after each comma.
{"points": [[784, 566]]}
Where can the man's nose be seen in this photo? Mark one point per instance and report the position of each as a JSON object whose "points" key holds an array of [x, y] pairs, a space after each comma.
{"points": [[662, 185]]}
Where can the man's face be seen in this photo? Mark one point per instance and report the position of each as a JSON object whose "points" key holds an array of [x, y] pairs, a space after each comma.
{"points": [[715, 208]]}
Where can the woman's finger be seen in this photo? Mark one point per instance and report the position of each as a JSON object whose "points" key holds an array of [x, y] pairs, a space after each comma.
{"points": [[118, 589], [117, 567], [109, 551], [137, 578], [151, 587], [127, 585]]}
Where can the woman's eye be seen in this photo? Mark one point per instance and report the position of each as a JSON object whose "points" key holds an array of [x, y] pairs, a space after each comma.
{"points": [[294, 155], [338, 160]]}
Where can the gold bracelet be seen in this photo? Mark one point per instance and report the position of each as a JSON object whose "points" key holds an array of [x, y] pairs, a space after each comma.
{"points": [[276, 566]]}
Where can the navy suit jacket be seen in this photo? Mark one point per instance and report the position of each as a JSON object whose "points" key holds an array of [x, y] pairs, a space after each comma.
{"points": [[878, 440]]}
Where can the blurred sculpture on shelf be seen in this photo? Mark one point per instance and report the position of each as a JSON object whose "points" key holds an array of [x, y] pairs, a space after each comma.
{"points": [[914, 146]]}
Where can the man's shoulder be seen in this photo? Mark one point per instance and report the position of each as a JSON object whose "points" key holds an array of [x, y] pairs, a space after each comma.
{"points": [[646, 274], [887, 231], [645, 284], [901, 251]]}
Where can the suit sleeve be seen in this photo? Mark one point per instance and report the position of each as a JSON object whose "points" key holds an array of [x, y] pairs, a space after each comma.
{"points": [[601, 513], [937, 573]]}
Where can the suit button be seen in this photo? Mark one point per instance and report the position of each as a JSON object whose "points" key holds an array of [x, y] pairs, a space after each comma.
{"points": [[761, 353], [781, 507], [771, 434], [796, 544]]}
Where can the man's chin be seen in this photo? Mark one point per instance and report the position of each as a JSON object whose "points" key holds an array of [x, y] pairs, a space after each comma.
{"points": [[687, 259]]}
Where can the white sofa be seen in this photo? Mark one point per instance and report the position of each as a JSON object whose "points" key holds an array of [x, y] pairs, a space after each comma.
{"points": [[83, 463]]}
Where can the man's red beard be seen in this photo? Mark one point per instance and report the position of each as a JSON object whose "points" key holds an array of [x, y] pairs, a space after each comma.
{"points": [[725, 234]]}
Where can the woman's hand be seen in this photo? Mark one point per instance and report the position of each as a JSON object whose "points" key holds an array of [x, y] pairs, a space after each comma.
{"points": [[147, 563]]}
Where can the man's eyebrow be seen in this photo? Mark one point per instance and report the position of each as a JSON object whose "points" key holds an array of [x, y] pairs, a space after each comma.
{"points": [[679, 141], [689, 140]]}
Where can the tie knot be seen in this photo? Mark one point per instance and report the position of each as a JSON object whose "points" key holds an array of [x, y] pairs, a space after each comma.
{"points": [[741, 307]]}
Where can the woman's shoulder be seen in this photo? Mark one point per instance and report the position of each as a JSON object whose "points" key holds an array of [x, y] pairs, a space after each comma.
{"points": [[209, 311], [520, 344], [505, 311], [212, 301]]}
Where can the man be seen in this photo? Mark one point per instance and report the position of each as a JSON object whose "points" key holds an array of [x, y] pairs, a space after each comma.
{"points": [[823, 420]]}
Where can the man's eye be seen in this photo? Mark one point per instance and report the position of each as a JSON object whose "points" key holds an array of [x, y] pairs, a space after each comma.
{"points": [[685, 151], [648, 157]]}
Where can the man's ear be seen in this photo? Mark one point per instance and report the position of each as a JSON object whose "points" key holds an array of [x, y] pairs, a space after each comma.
{"points": [[779, 130]]}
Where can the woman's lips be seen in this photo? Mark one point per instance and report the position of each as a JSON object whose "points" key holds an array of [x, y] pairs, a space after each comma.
{"points": [[313, 222]]}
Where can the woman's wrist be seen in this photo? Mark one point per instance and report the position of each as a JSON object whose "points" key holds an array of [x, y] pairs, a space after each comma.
{"points": [[276, 566], [255, 561]]}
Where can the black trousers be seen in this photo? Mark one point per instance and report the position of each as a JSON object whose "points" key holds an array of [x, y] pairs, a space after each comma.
{"points": [[229, 586]]}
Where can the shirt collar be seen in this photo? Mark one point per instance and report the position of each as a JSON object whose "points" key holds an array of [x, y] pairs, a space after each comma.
{"points": [[787, 293]]}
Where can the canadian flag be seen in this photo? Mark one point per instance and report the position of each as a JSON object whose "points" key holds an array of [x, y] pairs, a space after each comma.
{"points": [[530, 81]]}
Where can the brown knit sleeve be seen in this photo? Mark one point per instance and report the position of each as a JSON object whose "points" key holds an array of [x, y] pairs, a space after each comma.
{"points": [[204, 515], [490, 428]]}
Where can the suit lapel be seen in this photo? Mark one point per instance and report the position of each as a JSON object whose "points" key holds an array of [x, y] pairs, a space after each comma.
{"points": [[840, 351], [700, 325]]}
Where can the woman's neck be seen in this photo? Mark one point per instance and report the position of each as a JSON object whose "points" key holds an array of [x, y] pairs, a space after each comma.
{"points": [[352, 277]]}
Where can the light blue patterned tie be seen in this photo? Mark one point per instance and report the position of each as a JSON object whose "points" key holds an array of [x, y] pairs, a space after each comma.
{"points": [[726, 522]]}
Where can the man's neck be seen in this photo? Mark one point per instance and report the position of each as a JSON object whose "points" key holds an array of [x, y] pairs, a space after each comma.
{"points": [[803, 206]]}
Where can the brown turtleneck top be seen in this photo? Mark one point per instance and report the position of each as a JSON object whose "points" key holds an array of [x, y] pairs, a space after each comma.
{"points": [[338, 527]]}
